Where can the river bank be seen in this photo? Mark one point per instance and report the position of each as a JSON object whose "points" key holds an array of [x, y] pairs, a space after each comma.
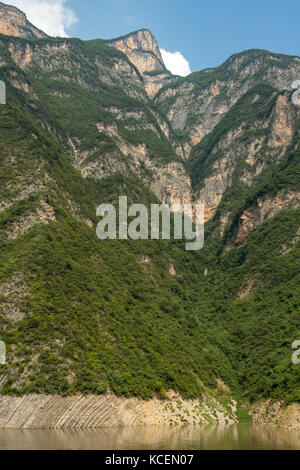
{"points": [[276, 413], [56, 412]]}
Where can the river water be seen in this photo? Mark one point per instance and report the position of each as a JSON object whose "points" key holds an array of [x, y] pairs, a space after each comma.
{"points": [[239, 437]]}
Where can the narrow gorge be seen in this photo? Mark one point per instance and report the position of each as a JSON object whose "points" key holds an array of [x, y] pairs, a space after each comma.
{"points": [[137, 332]]}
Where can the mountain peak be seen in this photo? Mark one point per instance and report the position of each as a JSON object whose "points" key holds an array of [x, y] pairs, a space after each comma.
{"points": [[13, 22], [142, 50]]}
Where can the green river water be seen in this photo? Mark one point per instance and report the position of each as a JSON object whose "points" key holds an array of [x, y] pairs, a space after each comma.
{"points": [[239, 437]]}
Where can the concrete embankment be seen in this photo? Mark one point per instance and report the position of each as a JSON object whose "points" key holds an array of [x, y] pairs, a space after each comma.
{"points": [[55, 412]]}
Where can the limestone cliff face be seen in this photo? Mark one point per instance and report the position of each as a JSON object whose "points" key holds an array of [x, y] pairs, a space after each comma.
{"points": [[192, 106], [142, 50], [264, 209], [13, 22], [169, 182], [196, 104], [62, 59], [283, 123], [242, 153]]}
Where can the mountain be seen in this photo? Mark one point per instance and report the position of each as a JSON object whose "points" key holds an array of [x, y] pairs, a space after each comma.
{"points": [[88, 121], [13, 22], [142, 50]]}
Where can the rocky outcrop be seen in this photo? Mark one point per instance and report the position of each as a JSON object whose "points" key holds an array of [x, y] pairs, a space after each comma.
{"points": [[277, 414], [169, 182], [44, 214], [142, 50], [250, 150], [212, 92], [13, 22], [61, 60], [49, 412], [155, 81], [264, 209], [13, 293], [283, 125]]}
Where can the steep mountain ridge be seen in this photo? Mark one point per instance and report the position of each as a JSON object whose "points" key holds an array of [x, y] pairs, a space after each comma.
{"points": [[245, 145], [195, 104], [142, 50], [121, 124], [13, 22]]}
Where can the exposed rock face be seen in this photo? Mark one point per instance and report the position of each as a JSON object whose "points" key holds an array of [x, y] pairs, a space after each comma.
{"points": [[283, 124], [276, 413], [13, 22], [263, 210], [14, 292], [267, 142], [44, 214], [187, 100], [170, 182], [153, 83], [48, 412], [212, 92], [142, 50]]}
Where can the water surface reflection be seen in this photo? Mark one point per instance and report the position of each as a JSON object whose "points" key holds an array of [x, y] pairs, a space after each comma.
{"points": [[237, 437]]}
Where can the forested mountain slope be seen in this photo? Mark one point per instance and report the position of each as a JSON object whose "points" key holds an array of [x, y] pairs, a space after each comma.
{"points": [[88, 121]]}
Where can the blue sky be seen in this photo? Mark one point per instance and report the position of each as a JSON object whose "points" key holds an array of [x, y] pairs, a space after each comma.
{"points": [[205, 32]]}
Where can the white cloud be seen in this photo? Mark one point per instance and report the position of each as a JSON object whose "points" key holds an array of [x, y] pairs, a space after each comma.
{"points": [[176, 63], [51, 16]]}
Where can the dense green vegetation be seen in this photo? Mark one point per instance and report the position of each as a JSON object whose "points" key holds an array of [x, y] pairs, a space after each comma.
{"points": [[95, 309], [259, 327]]}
